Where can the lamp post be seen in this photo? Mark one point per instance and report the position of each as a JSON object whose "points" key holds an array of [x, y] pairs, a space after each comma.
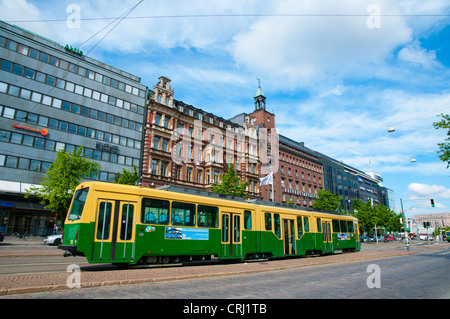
{"points": [[404, 225]]}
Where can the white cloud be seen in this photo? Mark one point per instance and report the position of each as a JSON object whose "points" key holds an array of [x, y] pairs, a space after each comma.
{"points": [[302, 51], [414, 53], [417, 190], [19, 10], [353, 128], [424, 26]]}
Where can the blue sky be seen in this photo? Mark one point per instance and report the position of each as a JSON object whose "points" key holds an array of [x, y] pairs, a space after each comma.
{"points": [[336, 74]]}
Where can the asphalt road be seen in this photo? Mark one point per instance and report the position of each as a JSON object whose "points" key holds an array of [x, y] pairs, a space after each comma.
{"points": [[37, 264], [421, 276]]}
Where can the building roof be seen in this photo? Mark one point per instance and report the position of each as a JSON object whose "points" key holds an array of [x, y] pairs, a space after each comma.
{"points": [[259, 92]]}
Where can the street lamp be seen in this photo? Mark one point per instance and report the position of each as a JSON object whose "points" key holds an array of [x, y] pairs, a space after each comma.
{"points": [[405, 226]]}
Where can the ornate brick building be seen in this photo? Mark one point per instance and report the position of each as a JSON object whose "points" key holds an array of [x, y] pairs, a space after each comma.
{"points": [[301, 173], [187, 146], [297, 171]]}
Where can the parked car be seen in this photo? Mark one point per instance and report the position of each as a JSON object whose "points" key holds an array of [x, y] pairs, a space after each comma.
{"points": [[53, 239], [2, 236], [388, 238], [424, 237]]}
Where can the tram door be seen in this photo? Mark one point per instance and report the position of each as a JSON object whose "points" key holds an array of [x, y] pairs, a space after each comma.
{"points": [[231, 235], [114, 238], [289, 236], [327, 238]]}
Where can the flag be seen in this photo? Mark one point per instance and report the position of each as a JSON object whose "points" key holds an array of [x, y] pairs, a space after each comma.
{"points": [[266, 180]]}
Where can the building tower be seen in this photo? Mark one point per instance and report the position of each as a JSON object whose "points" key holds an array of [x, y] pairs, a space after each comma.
{"points": [[260, 99]]}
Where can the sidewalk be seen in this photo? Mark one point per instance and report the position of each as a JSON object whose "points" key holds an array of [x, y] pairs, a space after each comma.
{"points": [[17, 247], [90, 276]]}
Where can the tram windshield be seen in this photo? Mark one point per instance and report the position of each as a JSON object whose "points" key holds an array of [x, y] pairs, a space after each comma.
{"points": [[78, 201]]}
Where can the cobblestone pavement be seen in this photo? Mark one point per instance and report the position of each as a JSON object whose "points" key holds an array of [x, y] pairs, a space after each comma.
{"points": [[92, 276]]}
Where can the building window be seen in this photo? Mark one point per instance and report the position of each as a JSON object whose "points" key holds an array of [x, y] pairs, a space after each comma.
{"points": [[156, 142], [163, 168], [165, 144], [158, 119], [189, 174], [166, 121], [154, 167]]}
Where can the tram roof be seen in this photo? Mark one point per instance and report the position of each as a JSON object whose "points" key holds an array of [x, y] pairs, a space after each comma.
{"points": [[191, 191]]}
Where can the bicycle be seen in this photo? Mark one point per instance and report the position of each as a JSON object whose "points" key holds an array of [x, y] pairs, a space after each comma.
{"points": [[25, 236], [16, 235]]}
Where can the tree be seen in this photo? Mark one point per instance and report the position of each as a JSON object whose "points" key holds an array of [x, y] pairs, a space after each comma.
{"points": [[128, 177], [365, 214], [327, 201], [63, 176], [444, 148], [389, 218], [379, 215], [230, 184]]}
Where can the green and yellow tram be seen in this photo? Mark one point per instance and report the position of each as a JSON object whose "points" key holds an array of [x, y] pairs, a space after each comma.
{"points": [[111, 223]]}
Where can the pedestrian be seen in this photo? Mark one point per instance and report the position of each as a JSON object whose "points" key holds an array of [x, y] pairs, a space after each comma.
{"points": [[55, 229]]}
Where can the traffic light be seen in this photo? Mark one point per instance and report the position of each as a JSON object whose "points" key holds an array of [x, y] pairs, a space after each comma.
{"points": [[432, 202]]}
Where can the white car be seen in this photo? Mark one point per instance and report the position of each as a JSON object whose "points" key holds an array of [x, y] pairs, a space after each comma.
{"points": [[53, 239]]}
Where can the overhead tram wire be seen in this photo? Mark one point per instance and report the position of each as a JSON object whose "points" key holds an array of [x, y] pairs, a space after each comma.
{"points": [[409, 132], [119, 19], [239, 15]]}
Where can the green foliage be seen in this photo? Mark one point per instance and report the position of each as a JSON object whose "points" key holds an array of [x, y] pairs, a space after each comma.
{"points": [[128, 177], [444, 148], [64, 175], [231, 184], [379, 215], [327, 201]]}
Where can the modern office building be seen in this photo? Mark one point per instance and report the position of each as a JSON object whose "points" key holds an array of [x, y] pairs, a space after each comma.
{"points": [[350, 183], [53, 97]]}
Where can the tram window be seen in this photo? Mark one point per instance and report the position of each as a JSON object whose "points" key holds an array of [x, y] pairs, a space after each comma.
{"points": [[127, 221], [225, 225], [247, 219], [336, 227], [319, 228], [350, 227], [78, 204], [343, 226], [207, 216], [155, 211], [104, 220], [183, 214], [276, 222], [268, 221], [299, 226], [237, 228], [306, 223]]}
